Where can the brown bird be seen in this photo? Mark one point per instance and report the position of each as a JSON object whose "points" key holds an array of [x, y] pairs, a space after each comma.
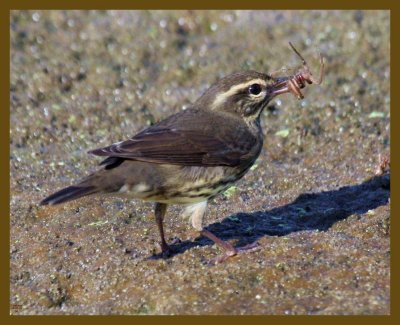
{"points": [[192, 156]]}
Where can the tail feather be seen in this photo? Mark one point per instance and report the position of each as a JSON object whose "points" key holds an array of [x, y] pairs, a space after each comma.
{"points": [[68, 194]]}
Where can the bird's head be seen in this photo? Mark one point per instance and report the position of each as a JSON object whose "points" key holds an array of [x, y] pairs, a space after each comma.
{"points": [[242, 93]]}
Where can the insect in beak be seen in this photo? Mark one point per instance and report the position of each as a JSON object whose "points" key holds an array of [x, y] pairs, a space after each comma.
{"points": [[293, 84]]}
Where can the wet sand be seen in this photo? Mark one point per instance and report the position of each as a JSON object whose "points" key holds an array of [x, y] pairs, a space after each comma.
{"points": [[81, 80]]}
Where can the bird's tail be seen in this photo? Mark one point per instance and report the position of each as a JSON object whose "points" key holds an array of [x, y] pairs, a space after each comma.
{"points": [[101, 181], [68, 194]]}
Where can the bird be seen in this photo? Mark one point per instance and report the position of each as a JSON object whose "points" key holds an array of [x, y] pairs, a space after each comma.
{"points": [[189, 157]]}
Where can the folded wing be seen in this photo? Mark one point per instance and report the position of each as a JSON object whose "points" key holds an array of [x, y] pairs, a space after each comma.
{"points": [[185, 139]]}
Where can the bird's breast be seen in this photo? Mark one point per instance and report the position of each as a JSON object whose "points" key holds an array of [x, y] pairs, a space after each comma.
{"points": [[191, 184]]}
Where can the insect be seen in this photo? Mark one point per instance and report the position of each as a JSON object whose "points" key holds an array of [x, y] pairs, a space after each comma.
{"points": [[303, 76]]}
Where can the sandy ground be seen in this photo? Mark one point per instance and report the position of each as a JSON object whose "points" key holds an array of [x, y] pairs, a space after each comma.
{"points": [[80, 80]]}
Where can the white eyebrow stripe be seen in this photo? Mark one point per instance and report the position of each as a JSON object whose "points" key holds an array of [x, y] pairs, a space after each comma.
{"points": [[223, 96]]}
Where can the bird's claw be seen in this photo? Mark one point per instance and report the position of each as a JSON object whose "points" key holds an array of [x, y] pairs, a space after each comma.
{"points": [[244, 249]]}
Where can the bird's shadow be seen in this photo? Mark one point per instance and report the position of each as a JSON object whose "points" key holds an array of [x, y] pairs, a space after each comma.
{"points": [[309, 211]]}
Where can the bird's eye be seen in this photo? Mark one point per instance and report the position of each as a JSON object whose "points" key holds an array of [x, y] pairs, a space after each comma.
{"points": [[255, 89]]}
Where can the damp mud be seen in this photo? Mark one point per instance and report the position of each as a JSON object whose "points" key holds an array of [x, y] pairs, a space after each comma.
{"points": [[316, 200]]}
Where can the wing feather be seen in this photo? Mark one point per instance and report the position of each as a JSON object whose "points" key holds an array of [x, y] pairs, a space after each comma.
{"points": [[186, 139]]}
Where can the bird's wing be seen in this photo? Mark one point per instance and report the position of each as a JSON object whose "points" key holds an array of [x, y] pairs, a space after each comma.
{"points": [[183, 139]]}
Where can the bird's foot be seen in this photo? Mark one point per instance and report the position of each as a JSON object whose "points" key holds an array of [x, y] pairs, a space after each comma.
{"points": [[235, 251], [249, 248], [167, 250]]}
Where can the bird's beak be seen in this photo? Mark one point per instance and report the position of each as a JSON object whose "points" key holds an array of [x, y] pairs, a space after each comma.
{"points": [[302, 77], [282, 85]]}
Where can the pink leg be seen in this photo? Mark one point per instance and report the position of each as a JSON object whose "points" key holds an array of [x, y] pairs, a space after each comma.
{"points": [[230, 250]]}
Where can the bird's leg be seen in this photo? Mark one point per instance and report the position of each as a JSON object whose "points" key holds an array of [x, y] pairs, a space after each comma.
{"points": [[196, 213], [230, 250], [159, 212]]}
